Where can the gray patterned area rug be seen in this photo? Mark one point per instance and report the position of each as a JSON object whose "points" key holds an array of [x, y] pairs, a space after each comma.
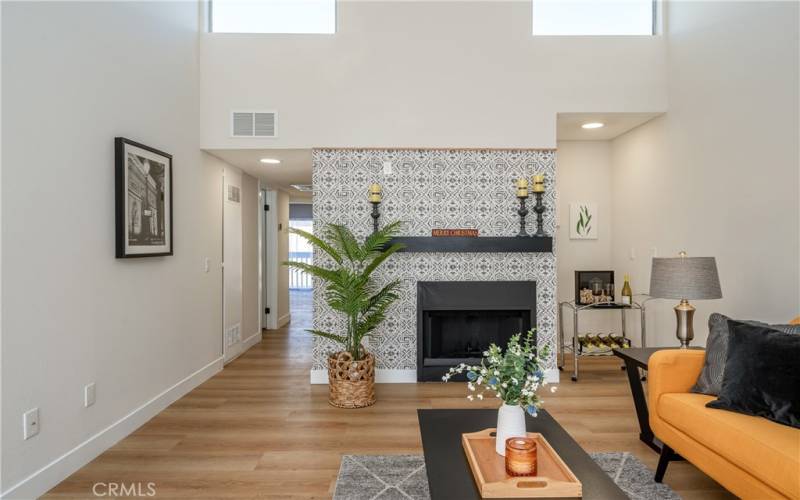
{"points": [[403, 477]]}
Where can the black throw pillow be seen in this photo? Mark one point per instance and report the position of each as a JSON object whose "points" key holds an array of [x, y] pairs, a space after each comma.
{"points": [[762, 374], [710, 379]]}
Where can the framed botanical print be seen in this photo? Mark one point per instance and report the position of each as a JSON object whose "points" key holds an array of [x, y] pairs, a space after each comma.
{"points": [[143, 200], [583, 221]]}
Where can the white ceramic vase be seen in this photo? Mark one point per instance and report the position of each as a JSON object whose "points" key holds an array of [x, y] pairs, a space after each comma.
{"points": [[510, 423]]}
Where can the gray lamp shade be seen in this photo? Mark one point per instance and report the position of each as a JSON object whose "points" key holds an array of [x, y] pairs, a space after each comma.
{"points": [[685, 278]]}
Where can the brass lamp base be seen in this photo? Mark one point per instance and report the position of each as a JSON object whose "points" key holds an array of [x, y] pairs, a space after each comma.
{"points": [[684, 312]]}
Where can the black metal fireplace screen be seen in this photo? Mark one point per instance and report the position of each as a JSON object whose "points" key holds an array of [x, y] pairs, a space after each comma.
{"points": [[457, 321]]}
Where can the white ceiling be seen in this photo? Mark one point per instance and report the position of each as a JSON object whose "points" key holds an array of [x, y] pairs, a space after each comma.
{"points": [[294, 168], [569, 125]]}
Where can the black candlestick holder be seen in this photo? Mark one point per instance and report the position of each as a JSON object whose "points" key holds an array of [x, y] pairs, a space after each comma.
{"points": [[523, 212], [376, 214], [539, 208]]}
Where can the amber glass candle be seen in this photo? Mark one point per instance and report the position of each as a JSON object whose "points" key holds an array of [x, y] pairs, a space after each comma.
{"points": [[520, 456]]}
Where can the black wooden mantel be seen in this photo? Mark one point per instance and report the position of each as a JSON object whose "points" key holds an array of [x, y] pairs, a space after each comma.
{"points": [[478, 244]]}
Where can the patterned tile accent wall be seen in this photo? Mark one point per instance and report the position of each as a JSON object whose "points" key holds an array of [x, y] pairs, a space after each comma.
{"points": [[432, 189]]}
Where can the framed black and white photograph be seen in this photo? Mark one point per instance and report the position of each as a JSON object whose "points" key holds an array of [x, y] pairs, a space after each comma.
{"points": [[143, 200]]}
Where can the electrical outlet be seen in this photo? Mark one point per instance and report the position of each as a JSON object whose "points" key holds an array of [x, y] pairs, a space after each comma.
{"points": [[30, 423], [88, 395], [387, 168]]}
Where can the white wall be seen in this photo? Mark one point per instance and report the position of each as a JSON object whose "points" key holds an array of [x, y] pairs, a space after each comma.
{"points": [[241, 279], [584, 174], [718, 175], [75, 75], [416, 74]]}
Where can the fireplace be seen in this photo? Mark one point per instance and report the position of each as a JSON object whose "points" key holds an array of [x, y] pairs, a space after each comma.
{"points": [[457, 320]]}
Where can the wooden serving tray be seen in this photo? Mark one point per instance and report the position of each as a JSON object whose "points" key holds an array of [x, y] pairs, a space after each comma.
{"points": [[554, 479]]}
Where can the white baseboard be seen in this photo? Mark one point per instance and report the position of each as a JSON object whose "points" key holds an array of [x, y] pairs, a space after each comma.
{"points": [[551, 375], [386, 376], [245, 345], [251, 340], [284, 320], [62, 467]]}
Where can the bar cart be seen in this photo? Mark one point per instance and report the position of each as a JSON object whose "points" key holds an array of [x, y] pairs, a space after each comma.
{"points": [[576, 310]]}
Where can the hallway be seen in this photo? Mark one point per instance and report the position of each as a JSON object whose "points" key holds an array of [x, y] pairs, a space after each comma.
{"points": [[301, 307]]}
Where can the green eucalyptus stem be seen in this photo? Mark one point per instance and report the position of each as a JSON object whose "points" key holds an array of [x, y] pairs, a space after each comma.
{"points": [[514, 375]]}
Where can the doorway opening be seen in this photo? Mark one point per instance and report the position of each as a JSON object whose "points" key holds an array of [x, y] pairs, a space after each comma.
{"points": [[300, 250]]}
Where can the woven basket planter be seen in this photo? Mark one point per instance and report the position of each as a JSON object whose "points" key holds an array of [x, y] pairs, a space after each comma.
{"points": [[351, 383]]}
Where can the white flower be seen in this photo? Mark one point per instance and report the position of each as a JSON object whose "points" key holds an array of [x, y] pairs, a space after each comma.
{"points": [[480, 396], [514, 381], [496, 373], [497, 395], [470, 397], [553, 389], [504, 385], [480, 380], [444, 378]]}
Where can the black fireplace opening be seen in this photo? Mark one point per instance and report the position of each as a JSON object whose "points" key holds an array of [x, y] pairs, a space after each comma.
{"points": [[457, 321], [453, 337]]}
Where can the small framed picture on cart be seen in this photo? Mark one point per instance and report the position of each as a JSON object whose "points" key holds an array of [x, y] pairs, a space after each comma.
{"points": [[143, 200]]}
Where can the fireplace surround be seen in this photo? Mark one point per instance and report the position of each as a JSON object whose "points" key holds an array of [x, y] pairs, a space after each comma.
{"points": [[420, 192], [457, 320]]}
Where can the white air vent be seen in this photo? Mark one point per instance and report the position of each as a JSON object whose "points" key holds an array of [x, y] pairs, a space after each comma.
{"points": [[303, 187], [233, 335], [254, 124], [233, 193]]}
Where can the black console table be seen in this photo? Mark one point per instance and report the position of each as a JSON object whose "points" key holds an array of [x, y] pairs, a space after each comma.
{"points": [[636, 358]]}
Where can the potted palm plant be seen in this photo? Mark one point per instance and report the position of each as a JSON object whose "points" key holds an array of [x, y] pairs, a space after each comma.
{"points": [[351, 289]]}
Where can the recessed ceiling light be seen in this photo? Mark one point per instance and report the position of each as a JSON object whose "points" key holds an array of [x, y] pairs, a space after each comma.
{"points": [[593, 125], [269, 161]]}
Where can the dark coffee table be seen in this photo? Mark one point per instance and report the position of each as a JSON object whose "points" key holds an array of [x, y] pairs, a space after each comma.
{"points": [[450, 477]]}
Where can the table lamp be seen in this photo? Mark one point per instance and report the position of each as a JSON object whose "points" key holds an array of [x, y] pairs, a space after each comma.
{"points": [[685, 278]]}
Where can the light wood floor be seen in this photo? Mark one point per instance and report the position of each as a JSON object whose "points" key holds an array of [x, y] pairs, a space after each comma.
{"points": [[258, 429]]}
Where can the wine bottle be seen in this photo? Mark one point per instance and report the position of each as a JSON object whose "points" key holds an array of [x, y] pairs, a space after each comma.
{"points": [[627, 294]]}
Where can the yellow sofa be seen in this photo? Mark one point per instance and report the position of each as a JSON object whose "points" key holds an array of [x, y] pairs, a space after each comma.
{"points": [[752, 457]]}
